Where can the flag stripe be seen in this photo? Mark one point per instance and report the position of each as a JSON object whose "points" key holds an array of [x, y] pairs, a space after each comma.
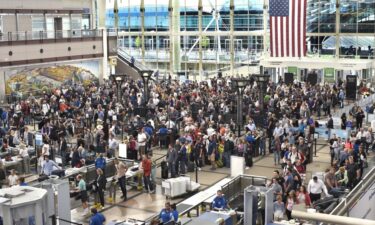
{"points": [[282, 36], [290, 31], [299, 28], [276, 38], [271, 37], [293, 28], [287, 36], [288, 28], [304, 28]]}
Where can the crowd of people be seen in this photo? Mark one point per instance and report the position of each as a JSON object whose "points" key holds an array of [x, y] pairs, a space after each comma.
{"points": [[195, 121]]}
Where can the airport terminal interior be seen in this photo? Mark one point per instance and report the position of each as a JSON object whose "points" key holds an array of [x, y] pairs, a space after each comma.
{"points": [[190, 112]]}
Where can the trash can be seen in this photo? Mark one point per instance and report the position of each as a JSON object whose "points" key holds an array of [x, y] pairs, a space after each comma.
{"points": [[164, 170]]}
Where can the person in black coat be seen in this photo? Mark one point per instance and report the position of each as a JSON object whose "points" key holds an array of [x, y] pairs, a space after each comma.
{"points": [[63, 147], [76, 159], [100, 183]]}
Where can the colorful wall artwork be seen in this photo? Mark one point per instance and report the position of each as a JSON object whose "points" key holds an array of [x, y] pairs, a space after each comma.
{"points": [[39, 79]]}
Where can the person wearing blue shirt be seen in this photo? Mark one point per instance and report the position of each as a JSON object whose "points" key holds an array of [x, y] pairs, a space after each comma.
{"points": [[49, 166], [183, 159], [96, 218], [166, 214], [21, 182], [149, 130], [174, 212], [163, 130], [219, 202], [100, 162], [250, 139]]}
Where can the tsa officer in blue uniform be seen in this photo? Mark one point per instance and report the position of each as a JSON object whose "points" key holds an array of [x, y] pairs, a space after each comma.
{"points": [[166, 214], [219, 202]]}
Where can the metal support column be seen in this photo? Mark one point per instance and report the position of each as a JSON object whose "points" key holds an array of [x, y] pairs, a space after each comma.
{"points": [[337, 33], [266, 37], [200, 12], [175, 36], [170, 15], [232, 56], [239, 111], [142, 9], [115, 12]]}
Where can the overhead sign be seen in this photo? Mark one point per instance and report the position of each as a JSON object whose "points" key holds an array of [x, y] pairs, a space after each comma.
{"points": [[329, 75], [38, 139]]}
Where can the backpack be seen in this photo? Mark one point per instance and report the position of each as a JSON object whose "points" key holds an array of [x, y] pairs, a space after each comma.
{"points": [[240, 148]]}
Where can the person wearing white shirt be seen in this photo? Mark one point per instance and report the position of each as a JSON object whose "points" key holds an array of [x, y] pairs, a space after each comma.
{"points": [[112, 145], [12, 178], [315, 189], [170, 124], [210, 131], [45, 152], [279, 131], [24, 154], [45, 108], [361, 134], [141, 142], [251, 126]]}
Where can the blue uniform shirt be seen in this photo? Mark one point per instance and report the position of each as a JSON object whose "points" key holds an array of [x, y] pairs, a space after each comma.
{"points": [[175, 215], [163, 131], [149, 130], [219, 203], [97, 219], [100, 163], [165, 216]]}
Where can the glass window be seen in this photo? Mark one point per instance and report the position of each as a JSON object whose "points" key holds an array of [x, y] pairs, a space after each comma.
{"points": [[321, 16], [357, 16], [356, 46], [76, 22], [110, 17], [37, 23], [318, 46], [86, 22], [348, 16], [189, 15], [124, 13]]}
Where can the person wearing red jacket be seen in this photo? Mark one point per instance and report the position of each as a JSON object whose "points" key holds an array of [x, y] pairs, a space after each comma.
{"points": [[303, 196], [146, 166]]}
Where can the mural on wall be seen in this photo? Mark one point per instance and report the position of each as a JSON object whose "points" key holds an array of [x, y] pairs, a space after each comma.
{"points": [[37, 80]]}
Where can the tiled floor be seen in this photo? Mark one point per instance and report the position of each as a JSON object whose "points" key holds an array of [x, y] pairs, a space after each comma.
{"points": [[143, 205]]}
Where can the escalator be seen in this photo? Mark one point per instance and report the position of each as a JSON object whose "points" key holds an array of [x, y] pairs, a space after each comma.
{"points": [[125, 65]]}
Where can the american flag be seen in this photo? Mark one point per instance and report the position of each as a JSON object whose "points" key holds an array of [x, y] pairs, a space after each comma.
{"points": [[288, 28]]}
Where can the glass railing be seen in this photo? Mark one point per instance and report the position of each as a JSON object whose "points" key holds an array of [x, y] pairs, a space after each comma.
{"points": [[44, 35], [207, 55]]}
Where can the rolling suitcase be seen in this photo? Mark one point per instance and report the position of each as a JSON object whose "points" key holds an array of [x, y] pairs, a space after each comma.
{"points": [[164, 170], [249, 160]]}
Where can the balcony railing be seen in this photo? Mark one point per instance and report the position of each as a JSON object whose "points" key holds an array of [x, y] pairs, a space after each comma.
{"points": [[46, 35]]}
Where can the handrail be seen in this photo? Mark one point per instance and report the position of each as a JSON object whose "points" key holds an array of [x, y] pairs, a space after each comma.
{"points": [[127, 57], [361, 103], [353, 196], [67, 221], [49, 34]]}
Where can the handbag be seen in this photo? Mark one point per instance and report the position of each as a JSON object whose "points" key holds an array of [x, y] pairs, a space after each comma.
{"points": [[212, 157]]}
